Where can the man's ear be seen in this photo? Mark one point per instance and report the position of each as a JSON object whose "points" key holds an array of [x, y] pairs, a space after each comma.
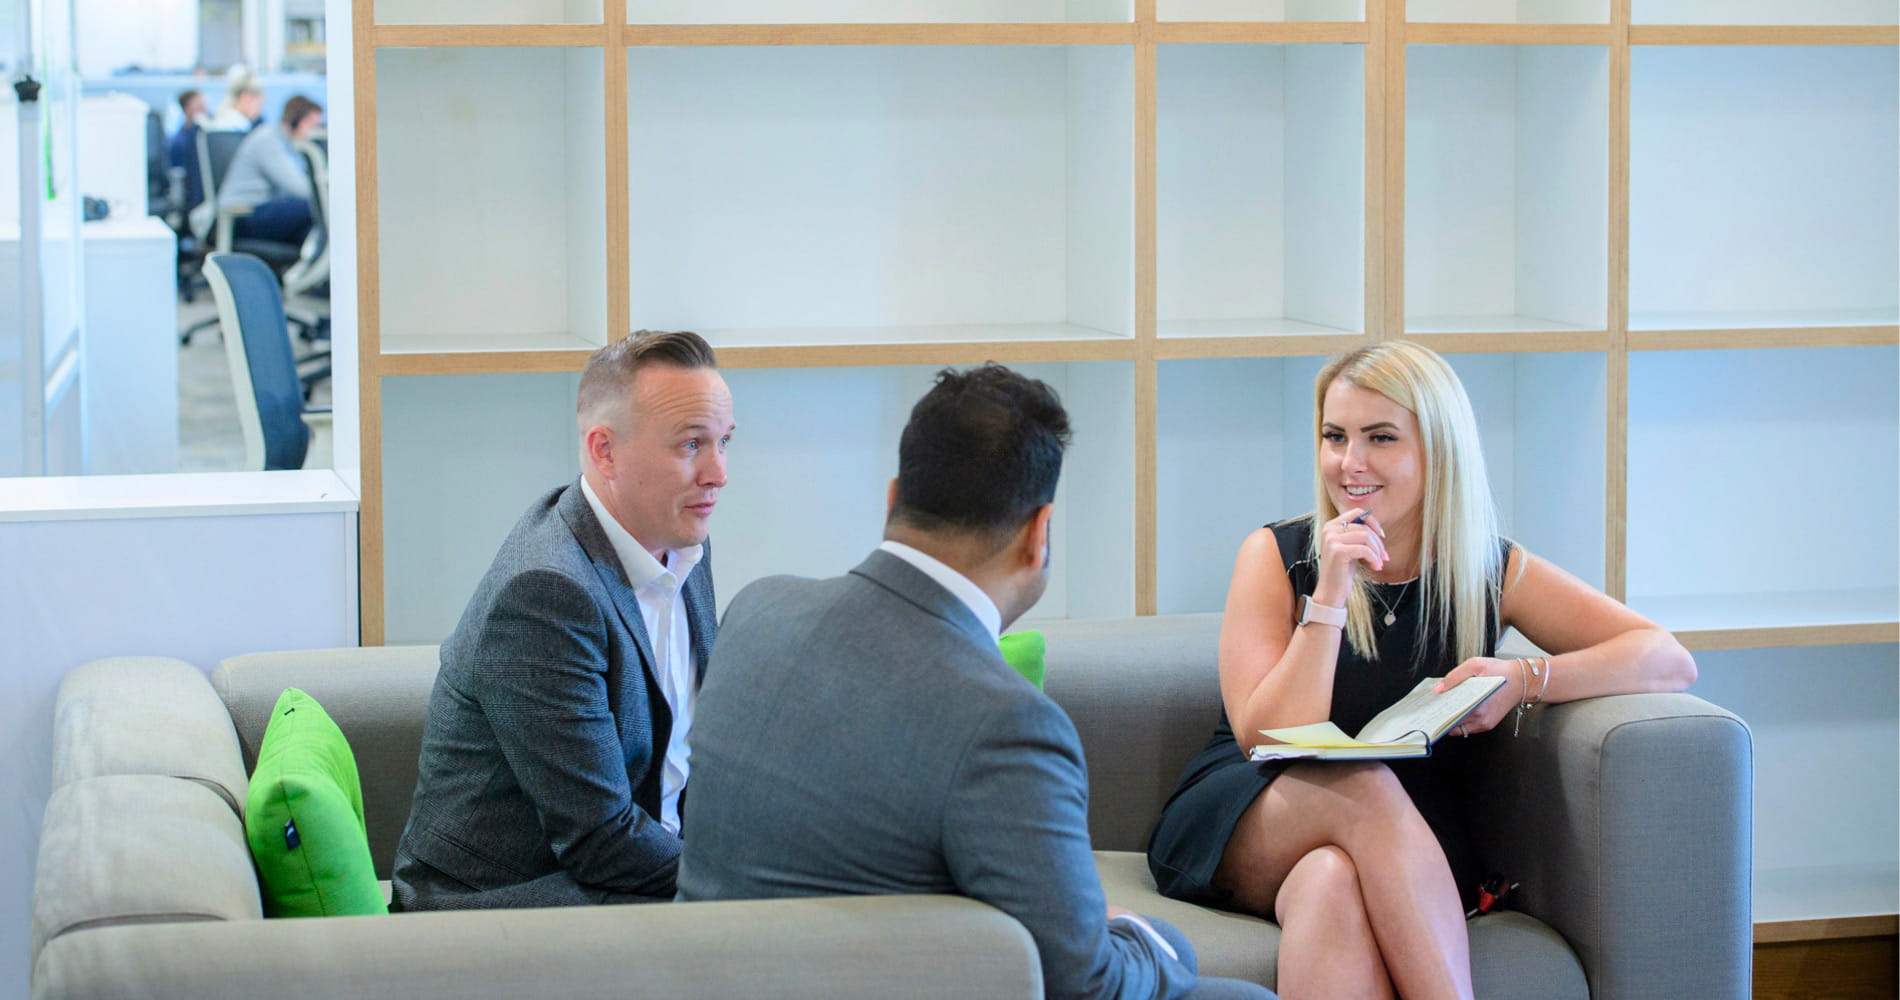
{"points": [[890, 499], [1035, 548], [598, 445]]}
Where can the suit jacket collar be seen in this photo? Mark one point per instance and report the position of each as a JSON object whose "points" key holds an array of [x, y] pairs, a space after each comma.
{"points": [[697, 593], [593, 540], [916, 586]]}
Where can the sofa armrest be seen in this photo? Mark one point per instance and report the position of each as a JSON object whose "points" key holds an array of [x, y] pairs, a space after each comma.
{"points": [[1627, 820], [146, 715], [833, 947]]}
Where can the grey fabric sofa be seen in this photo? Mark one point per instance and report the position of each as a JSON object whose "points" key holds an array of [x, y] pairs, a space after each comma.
{"points": [[1627, 820]]}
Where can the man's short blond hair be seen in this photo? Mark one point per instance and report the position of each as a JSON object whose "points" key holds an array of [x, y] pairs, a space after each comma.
{"points": [[607, 380]]}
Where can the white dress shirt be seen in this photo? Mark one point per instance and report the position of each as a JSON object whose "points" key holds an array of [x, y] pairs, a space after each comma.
{"points": [[663, 610]]}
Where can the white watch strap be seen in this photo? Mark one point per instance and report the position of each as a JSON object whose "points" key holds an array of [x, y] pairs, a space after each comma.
{"points": [[1324, 614]]}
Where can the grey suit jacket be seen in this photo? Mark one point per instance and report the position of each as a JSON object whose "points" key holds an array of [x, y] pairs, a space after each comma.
{"points": [[862, 735], [539, 779]]}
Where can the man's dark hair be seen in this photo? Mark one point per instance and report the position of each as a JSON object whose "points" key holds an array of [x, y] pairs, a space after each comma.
{"points": [[297, 109], [185, 97], [982, 451], [608, 376]]}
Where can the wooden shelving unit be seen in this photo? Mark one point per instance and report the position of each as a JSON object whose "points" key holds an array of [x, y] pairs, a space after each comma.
{"points": [[1173, 210]]}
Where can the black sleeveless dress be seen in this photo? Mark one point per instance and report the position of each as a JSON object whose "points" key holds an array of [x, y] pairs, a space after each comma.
{"points": [[1219, 783]]}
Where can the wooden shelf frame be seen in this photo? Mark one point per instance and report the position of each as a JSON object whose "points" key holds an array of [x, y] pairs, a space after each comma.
{"points": [[1384, 34], [1767, 34]]}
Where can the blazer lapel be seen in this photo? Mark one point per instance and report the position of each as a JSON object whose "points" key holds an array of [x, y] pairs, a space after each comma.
{"points": [[702, 621], [580, 519]]}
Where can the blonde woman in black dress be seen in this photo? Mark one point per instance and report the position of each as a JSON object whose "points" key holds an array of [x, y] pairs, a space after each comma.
{"points": [[1363, 865]]}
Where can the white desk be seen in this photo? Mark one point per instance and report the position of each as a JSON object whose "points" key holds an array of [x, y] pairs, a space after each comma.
{"points": [[131, 373]]}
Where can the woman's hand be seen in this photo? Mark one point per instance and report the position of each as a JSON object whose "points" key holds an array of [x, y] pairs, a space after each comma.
{"points": [[1492, 710], [1343, 545]]}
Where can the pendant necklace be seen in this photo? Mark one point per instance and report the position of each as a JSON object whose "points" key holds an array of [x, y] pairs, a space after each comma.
{"points": [[1391, 610]]}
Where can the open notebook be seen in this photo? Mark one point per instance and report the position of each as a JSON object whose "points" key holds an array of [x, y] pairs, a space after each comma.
{"points": [[1407, 729]]}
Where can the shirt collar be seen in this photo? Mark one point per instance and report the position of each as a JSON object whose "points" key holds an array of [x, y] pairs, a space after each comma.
{"points": [[642, 569], [956, 583]]}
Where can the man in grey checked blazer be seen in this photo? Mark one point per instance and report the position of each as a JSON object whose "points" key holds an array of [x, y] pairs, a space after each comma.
{"points": [[554, 756], [862, 734]]}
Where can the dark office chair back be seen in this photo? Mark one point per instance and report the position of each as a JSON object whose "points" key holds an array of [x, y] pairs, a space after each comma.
{"points": [[220, 148], [159, 193], [247, 288]]}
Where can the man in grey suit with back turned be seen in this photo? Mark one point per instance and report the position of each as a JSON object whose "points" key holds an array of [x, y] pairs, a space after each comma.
{"points": [[554, 756], [862, 734]]}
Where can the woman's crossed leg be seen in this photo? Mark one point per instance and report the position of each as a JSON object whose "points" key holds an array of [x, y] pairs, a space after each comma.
{"points": [[1341, 858]]}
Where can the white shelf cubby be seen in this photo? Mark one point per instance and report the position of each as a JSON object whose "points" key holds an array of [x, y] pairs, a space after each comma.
{"points": [[1761, 487], [1762, 187], [1260, 190], [463, 456], [915, 193], [1509, 11], [876, 11], [1825, 750], [1260, 10], [491, 206], [510, 12], [1778, 12], [1506, 188], [1236, 450], [808, 470]]}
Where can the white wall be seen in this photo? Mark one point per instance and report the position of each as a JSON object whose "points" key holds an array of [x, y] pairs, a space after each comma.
{"points": [[154, 34]]}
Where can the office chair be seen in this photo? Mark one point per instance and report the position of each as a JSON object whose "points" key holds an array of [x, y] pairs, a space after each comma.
{"points": [[213, 226], [311, 273], [278, 427], [309, 277], [169, 191]]}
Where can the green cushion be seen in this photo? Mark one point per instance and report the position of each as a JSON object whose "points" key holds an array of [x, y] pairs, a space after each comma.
{"points": [[1024, 651], [304, 817]]}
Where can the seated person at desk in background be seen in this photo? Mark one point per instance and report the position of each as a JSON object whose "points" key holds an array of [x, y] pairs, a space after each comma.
{"points": [[554, 754], [182, 149], [268, 176], [1399, 575], [863, 735], [243, 107]]}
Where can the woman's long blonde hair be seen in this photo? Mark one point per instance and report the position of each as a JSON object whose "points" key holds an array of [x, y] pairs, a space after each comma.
{"points": [[1458, 570]]}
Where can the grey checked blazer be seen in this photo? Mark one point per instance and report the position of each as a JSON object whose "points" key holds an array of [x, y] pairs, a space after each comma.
{"points": [[539, 779], [862, 735]]}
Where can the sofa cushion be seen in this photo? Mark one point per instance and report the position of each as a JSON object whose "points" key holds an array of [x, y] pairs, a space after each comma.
{"points": [[139, 848], [1144, 694], [1512, 954], [379, 697], [145, 715], [1229, 944], [1516, 955], [304, 819]]}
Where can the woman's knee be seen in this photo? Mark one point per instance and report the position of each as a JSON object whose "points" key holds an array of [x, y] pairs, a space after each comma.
{"points": [[1324, 880]]}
